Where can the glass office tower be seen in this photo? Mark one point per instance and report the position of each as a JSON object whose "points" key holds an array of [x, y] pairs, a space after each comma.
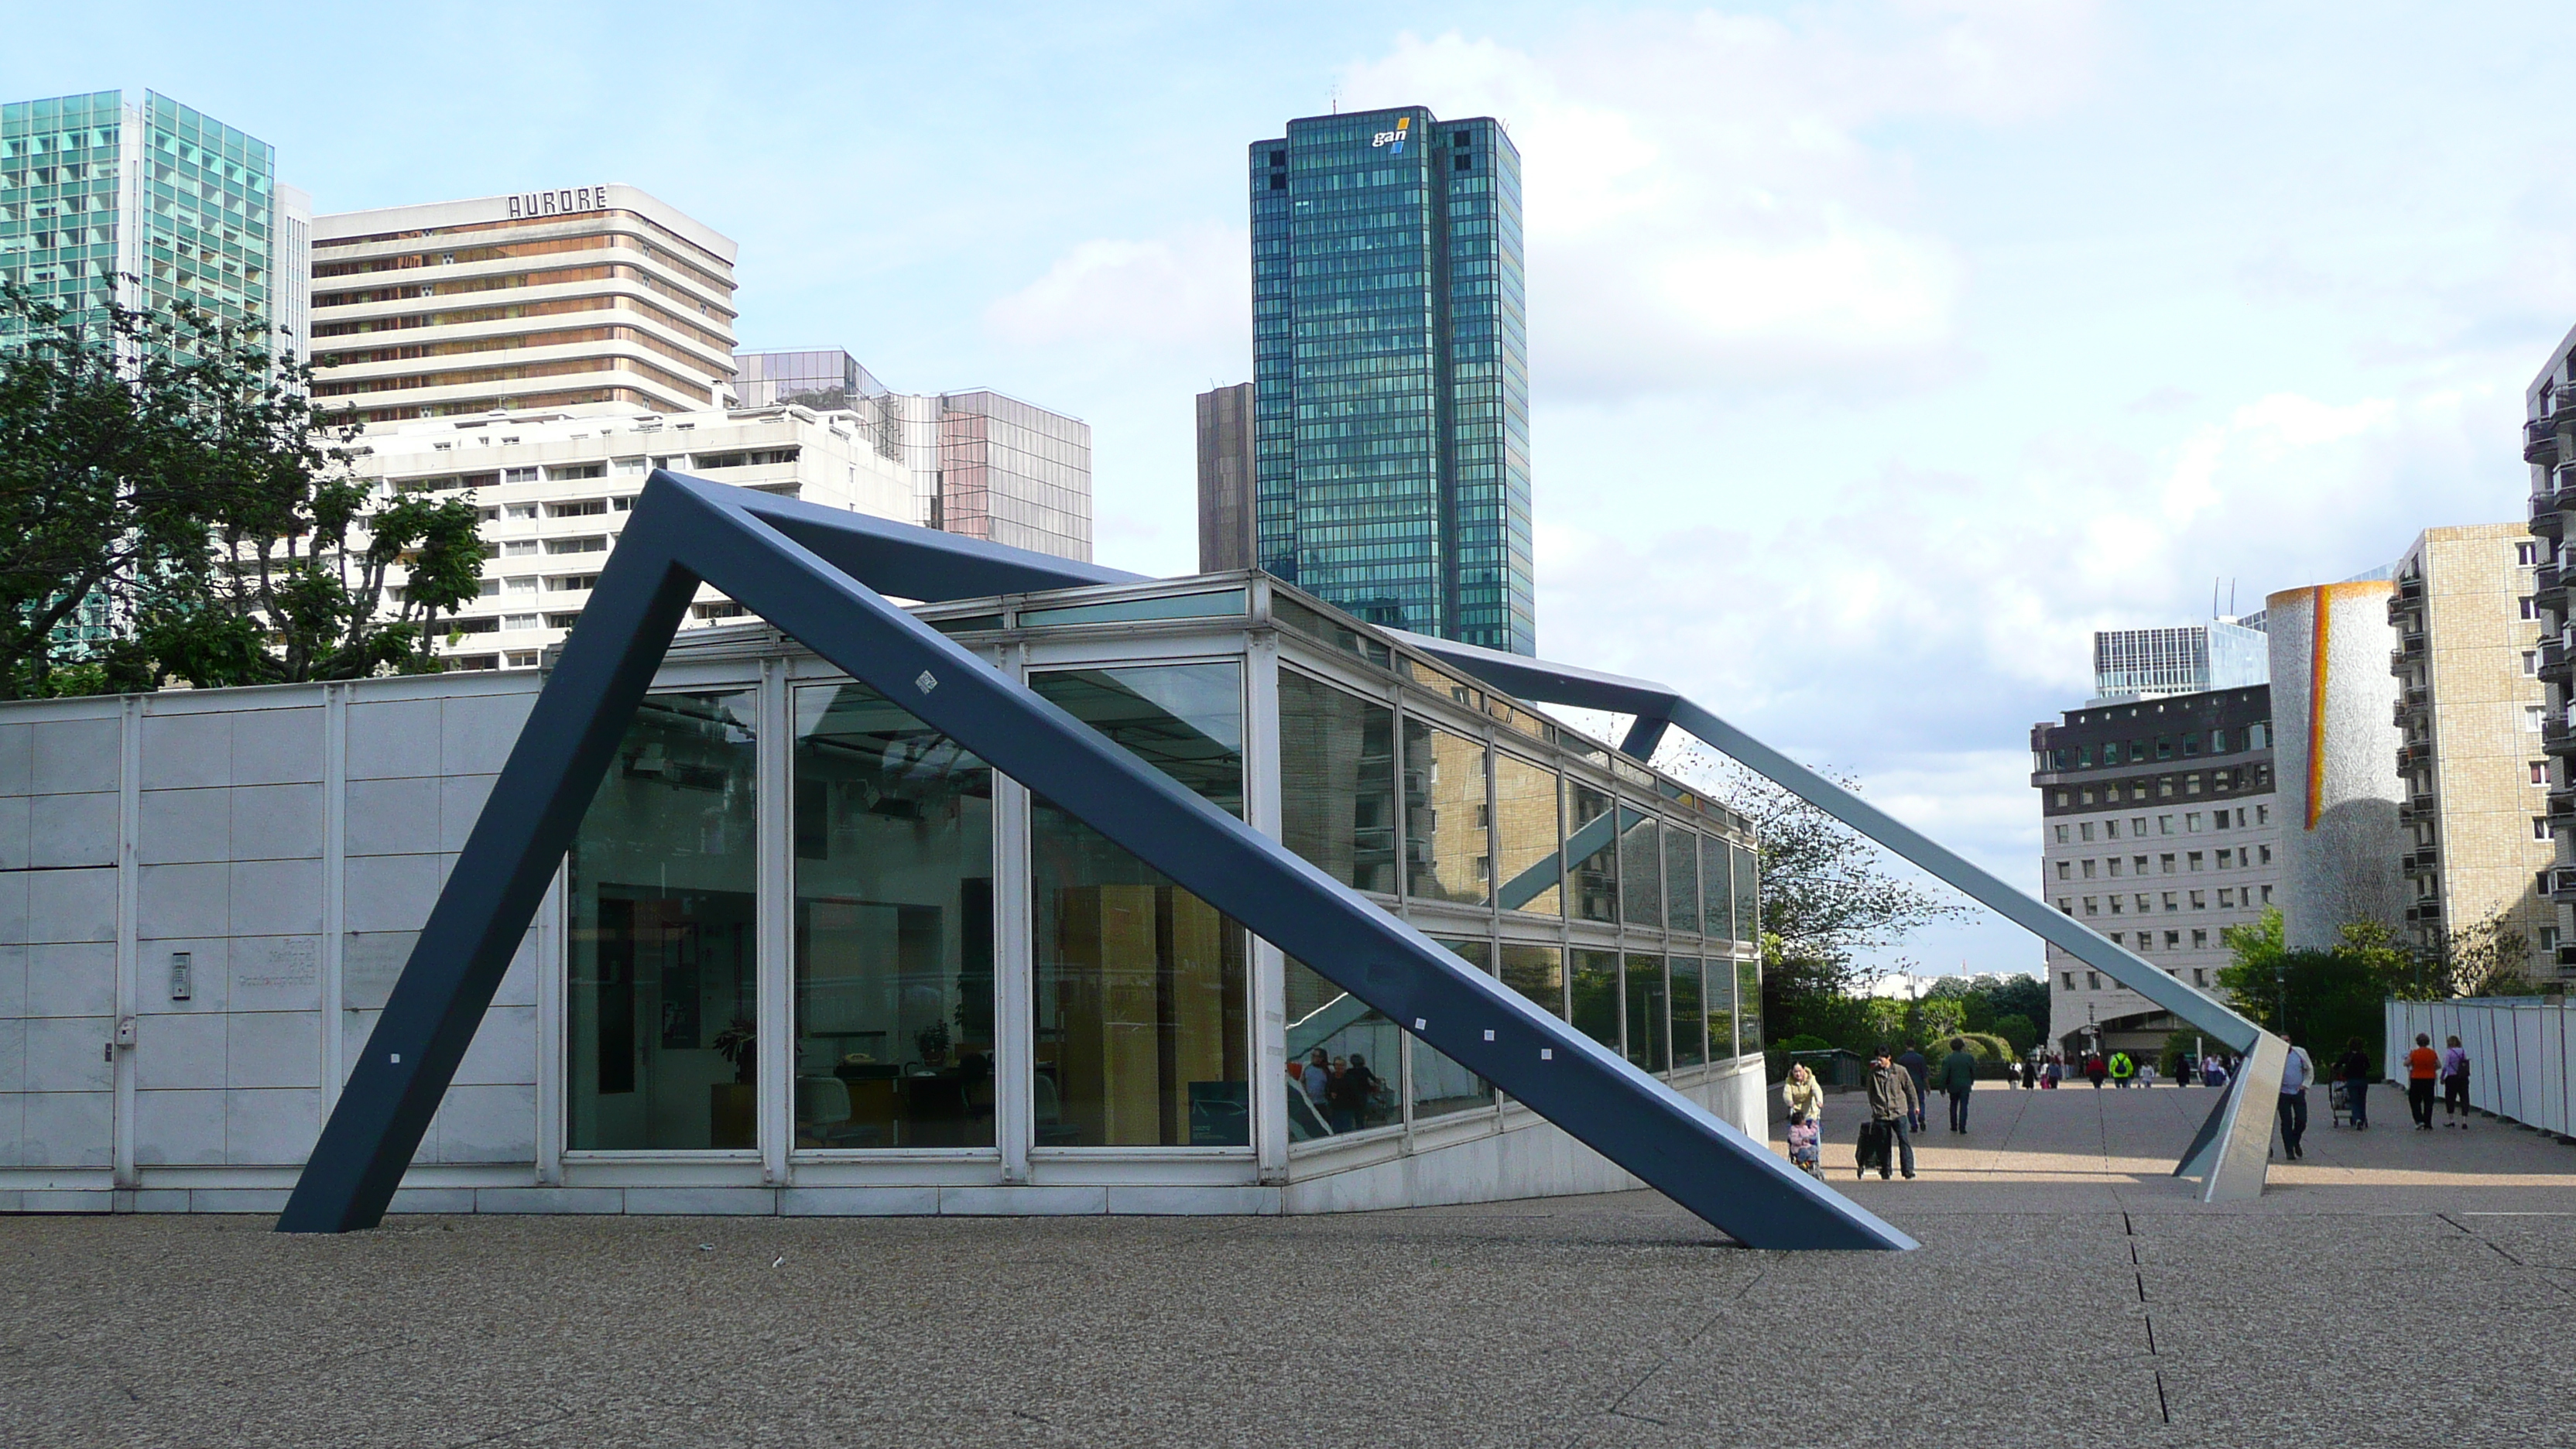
{"points": [[142, 201], [1390, 362]]}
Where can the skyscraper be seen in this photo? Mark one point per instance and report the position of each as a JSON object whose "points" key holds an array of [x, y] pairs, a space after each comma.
{"points": [[136, 199], [1390, 368]]}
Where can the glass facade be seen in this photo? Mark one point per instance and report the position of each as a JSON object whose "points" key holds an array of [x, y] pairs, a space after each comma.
{"points": [[1390, 365], [94, 188], [958, 972]]}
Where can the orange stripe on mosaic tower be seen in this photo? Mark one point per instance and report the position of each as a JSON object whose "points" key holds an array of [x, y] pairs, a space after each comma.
{"points": [[2320, 603]]}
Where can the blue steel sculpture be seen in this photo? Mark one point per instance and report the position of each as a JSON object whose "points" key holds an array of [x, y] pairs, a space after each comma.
{"points": [[2230, 1152], [817, 574]]}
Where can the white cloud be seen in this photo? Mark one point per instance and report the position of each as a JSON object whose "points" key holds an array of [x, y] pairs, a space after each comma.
{"points": [[1703, 204], [1190, 292]]}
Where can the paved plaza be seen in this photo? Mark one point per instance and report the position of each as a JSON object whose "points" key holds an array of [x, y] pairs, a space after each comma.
{"points": [[2395, 1287]]}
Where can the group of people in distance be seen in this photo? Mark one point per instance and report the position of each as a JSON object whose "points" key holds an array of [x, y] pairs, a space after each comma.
{"points": [[1900, 1084], [1344, 1091]]}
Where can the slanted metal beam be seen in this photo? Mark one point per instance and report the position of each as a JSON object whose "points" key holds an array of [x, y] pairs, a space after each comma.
{"points": [[2228, 1168], [684, 530]]}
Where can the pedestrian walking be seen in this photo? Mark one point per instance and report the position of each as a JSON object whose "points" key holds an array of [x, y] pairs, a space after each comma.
{"points": [[1805, 1098], [1919, 1068], [2122, 1068], [1894, 1101], [2354, 1072], [2095, 1069], [2296, 1073], [2455, 1085], [2422, 1065], [2213, 1072], [1958, 1079]]}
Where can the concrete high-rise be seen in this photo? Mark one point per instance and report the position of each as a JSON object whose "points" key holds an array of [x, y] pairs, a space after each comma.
{"points": [[132, 198], [2469, 710], [1390, 371], [585, 298], [1226, 469]]}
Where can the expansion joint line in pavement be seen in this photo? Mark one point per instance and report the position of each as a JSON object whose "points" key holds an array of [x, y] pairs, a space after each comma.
{"points": [[2146, 1315], [1618, 1405]]}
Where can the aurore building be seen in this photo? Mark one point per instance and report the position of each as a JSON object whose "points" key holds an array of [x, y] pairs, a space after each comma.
{"points": [[1390, 370]]}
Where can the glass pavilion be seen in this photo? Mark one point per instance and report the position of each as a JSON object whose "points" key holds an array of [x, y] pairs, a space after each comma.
{"points": [[810, 941]]}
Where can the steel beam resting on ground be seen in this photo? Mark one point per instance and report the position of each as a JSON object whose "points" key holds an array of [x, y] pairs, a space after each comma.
{"points": [[2229, 1154], [809, 572]]}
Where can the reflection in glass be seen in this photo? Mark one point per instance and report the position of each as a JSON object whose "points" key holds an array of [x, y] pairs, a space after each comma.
{"points": [[659, 982], [1537, 972], [1441, 1087], [1681, 879], [1337, 782], [1719, 976], [1650, 1043], [1525, 836], [1720, 896], [1328, 1030], [1169, 606], [1748, 1007], [1690, 1018], [1641, 867], [1139, 986], [894, 928], [1447, 854], [1592, 852], [1748, 896], [1596, 996]]}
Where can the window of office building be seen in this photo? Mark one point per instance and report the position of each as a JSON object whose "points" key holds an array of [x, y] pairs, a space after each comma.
{"points": [[661, 1038], [1140, 1033], [894, 928]]}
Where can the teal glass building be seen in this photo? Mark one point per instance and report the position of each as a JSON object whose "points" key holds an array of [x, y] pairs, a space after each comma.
{"points": [[133, 198], [1391, 372]]}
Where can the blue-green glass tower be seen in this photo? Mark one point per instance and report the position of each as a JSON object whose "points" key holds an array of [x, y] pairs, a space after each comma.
{"points": [[132, 197], [1391, 372]]}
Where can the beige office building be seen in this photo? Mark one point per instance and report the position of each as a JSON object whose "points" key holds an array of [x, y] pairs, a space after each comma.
{"points": [[2469, 710], [588, 298]]}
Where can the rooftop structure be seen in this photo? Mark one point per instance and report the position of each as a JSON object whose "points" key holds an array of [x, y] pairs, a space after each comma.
{"points": [[2193, 659]]}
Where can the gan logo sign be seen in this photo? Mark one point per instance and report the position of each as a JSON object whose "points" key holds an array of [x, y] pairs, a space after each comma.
{"points": [[1394, 140]]}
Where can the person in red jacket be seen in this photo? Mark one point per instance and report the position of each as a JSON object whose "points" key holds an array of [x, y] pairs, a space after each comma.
{"points": [[2422, 1065]]}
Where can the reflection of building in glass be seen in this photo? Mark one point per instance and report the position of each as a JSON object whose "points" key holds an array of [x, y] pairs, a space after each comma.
{"points": [[809, 952], [136, 199], [2152, 663], [1391, 368], [2160, 830], [982, 464]]}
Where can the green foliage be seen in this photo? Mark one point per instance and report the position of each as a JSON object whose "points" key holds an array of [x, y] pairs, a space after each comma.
{"points": [[168, 473], [2316, 998], [2017, 1029], [1937, 1019]]}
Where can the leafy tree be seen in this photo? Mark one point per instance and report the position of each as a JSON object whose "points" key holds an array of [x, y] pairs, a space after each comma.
{"points": [[216, 516], [2489, 958], [97, 503], [1938, 1018], [1828, 894], [2317, 998], [1991, 996], [2018, 1029]]}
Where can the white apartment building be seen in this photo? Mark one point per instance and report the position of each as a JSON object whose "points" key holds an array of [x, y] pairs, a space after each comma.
{"points": [[554, 490], [580, 299], [2159, 830]]}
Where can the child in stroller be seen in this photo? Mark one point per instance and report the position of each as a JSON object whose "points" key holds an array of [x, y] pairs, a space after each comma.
{"points": [[1806, 1144]]}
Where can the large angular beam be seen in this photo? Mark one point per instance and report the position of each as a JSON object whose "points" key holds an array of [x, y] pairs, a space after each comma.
{"points": [[685, 530], [2228, 1156]]}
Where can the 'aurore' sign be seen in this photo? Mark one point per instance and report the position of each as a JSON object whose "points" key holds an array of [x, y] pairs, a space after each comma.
{"points": [[558, 203]]}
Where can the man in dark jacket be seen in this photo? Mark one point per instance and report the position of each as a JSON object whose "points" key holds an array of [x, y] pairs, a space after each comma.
{"points": [[1894, 1101], [1921, 1071], [1958, 1078]]}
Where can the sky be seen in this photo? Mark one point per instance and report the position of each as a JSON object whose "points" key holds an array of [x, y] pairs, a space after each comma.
{"points": [[1879, 352]]}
